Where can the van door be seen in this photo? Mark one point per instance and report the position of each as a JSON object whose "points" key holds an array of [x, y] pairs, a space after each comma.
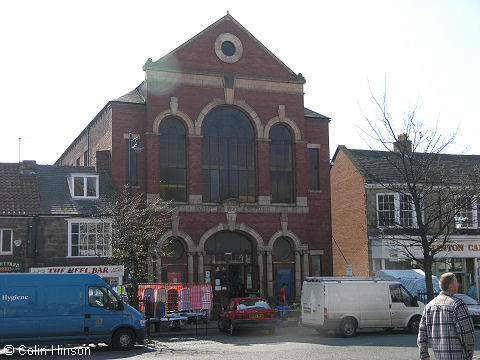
{"points": [[402, 305], [103, 313], [312, 308], [64, 312], [313, 302], [373, 303]]}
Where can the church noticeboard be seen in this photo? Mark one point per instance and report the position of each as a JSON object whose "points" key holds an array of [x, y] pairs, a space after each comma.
{"points": [[8, 266]]}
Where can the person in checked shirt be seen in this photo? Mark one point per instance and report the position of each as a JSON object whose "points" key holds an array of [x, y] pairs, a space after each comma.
{"points": [[447, 324]]}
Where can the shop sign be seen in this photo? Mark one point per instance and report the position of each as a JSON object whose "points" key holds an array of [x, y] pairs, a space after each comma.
{"points": [[102, 270], [8, 266], [452, 249]]}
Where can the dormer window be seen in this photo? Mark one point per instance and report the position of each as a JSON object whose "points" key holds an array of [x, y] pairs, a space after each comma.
{"points": [[83, 186]]}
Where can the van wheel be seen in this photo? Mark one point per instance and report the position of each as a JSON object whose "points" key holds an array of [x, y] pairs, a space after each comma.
{"points": [[414, 324], [123, 339], [231, 329], [348, 327]]}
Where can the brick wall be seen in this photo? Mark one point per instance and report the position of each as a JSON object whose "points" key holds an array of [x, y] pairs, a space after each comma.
{"points": [[348, 218], [96, 137]]}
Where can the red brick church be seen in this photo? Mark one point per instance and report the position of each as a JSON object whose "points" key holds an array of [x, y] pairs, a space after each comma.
{"points": [[228, 140]]}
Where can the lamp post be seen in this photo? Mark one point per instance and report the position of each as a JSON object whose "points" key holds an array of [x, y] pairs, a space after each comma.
{"points": [[136, 146]]}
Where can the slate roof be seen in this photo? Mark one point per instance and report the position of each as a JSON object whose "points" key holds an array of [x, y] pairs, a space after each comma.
{"points": [[376, 166], [312, 114], [55, 197], [132, 97], [18, 190], [28, 189]]}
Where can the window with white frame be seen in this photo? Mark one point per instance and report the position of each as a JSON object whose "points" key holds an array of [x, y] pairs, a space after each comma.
{"points": [[395, 210], [467, 216], [6, 242], [83, 186], [88, 237]]}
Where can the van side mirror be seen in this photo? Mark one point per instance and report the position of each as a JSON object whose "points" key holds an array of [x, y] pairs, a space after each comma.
{"points": [[415, 301]]}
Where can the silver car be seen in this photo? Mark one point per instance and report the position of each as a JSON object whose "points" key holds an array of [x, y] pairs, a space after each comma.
{"points": [[473, 307]]}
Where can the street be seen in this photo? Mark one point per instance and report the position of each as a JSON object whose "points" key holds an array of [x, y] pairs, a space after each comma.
{"points": [[287, 343]]}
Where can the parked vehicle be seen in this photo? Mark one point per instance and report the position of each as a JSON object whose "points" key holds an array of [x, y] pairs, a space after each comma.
{"points": [[65, 309], [251, 313], [346, 304], [473, 307]]}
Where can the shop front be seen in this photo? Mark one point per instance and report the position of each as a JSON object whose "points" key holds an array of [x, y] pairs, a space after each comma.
{"points": [[461, 256], [12, 265]]}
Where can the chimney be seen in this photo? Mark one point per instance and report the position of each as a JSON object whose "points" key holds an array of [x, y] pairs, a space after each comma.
{"points": [[402, 145], [102, 160], [29, 164]]}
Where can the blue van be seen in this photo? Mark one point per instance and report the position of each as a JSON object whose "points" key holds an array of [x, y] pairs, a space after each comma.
{"points": [[65, 309]]}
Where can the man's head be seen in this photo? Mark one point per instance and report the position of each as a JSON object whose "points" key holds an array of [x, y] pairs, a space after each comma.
{"points": [[448, 282], [284, 285]]}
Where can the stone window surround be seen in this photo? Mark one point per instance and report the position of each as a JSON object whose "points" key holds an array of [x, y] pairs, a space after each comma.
{"points": [[236, 43], [85, 220], [474, 215], [396, 211]]}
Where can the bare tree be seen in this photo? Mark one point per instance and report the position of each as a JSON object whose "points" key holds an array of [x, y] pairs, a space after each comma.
{"points": [[136, 229], [437, 188]]}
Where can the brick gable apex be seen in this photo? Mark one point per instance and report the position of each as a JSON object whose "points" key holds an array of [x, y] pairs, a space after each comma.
{"points": [[198, 54]]}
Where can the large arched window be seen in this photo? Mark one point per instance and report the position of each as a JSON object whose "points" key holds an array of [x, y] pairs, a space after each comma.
{"points": [[228, 156], [281, 165], [172, 160]]}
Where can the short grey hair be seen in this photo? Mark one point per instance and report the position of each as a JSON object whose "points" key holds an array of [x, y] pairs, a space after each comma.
{"points": [[445, 280]]}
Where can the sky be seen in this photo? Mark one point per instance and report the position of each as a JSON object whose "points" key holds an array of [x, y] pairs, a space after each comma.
{"points": [[62, 61]]}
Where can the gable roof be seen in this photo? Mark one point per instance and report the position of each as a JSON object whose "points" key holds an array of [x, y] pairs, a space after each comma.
{"points": [[18, 190], [170, 61], [376, 166]]}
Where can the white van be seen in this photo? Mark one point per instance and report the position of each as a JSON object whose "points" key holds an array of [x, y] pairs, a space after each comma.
{"points": [[347, 303]]}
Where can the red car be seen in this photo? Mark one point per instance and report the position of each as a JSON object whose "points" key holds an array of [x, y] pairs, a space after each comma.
{"points": [[252, 313]]}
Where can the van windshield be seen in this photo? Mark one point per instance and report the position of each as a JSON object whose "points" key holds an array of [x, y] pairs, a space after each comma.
{"points": [[100, 296]]}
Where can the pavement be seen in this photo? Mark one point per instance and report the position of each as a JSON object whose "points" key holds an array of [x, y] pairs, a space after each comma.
{"points": [[202, 328]]}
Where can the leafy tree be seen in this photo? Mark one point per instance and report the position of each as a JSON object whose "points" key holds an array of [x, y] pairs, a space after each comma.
{"points": [[439, 188], [136, 229]]}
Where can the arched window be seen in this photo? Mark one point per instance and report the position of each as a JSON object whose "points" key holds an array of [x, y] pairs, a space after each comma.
{"points": [[228, 156], [173, 170], [282, 249], [281, 165], [174, 249]]}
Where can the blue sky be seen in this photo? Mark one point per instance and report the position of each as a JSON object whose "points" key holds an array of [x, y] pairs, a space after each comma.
{"points": [[62, 61]]}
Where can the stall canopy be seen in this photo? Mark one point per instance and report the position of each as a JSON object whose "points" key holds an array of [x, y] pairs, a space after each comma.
{"points": [[413, 280]]}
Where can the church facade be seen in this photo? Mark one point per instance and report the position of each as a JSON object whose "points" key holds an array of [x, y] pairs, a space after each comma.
{"points": [[227, 139]]}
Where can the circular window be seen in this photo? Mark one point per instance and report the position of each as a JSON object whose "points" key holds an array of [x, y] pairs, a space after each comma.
{"points": [[174, 249], [282, 249], [228, 48]]}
